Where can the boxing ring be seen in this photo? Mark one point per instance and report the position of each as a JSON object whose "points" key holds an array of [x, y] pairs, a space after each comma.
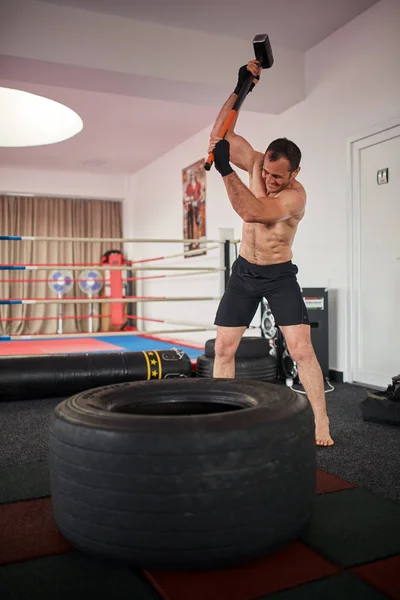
{"points": [[104, 291]]}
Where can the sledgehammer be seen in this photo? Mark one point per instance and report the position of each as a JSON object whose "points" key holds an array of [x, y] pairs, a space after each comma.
{"points": [[263, 53]]}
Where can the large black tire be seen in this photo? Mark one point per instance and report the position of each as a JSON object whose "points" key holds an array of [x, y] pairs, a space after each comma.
{"points": [[249, 347], [261, 369], [183, 474]]}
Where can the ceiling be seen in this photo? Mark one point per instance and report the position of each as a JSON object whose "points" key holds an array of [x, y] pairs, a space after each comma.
{"points": [[116, 139], [296, 24], [147, 75]]}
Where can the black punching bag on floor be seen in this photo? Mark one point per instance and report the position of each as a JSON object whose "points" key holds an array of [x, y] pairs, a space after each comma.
{"points": [[60, 375]]}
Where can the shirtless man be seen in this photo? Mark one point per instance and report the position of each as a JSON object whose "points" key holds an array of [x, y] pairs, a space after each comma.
{"points": [[271, 210]]}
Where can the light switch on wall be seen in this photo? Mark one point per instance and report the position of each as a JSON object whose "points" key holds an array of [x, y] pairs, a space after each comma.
{"points": [[382, 176]]}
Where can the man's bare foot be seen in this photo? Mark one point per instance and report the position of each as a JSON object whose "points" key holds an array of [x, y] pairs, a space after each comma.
{"points": [[322, 435]]}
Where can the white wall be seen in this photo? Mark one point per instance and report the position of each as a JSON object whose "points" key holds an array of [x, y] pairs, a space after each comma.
{"points": [[63, 183], [351, 86], [158, 214]]}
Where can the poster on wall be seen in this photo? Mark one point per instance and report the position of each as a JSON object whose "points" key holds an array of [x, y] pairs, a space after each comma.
{"points": [[194, 206]]}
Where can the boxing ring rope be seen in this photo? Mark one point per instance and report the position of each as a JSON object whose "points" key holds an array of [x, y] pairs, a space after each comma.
{"points": [[95, 316], [27, 238], [107, 300], [53, 336], [104, 268], [107, 280], [195, 252], [128, 265], [46, 266]]}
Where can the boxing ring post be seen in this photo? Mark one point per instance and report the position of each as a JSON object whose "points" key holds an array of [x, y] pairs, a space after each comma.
{"points": [[226, 235]]}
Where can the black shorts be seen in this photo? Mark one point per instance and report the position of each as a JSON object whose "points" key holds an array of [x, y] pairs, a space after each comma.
{"points": [[249, 283]]}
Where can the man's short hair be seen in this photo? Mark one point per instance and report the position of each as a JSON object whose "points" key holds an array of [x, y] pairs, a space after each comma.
{"points": [[284, 148]]}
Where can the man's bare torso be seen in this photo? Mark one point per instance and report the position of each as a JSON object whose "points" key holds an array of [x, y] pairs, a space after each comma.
{"points": [[268, 244]]}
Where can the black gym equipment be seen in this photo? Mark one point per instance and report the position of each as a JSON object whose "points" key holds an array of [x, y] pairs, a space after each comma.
{"points": [[263, 368], [383, 407], [316, 301], [183, 474], [381, 410], [249, 347], [59, 375], [287, 368], [253, 360]]}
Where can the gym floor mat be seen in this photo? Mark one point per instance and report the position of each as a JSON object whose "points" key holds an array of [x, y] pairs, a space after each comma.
{"points": [[351, 550], [96, 344]]}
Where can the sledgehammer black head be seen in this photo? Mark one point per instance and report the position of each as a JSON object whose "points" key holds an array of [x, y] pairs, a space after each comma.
{"points": [[263, 51]]}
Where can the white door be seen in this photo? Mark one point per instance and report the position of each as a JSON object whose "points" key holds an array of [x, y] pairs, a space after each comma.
{"points": [[376, 308]]}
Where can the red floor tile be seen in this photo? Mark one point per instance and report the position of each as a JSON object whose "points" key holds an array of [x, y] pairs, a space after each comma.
{"points": [[28, 530], [330, 483], [383, 574], [292, 566], [34, 347]]}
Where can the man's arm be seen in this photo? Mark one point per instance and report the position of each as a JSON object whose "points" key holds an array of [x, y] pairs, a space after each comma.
{"points": [[265, 210], [242, 153], [268, 209]]}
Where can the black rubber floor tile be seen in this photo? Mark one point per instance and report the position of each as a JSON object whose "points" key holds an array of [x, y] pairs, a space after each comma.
{"points": [[24, 482], [353, 527], [72, 576], [344, 585]]}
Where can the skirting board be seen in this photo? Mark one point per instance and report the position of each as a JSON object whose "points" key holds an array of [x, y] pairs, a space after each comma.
{"points": [[336, 376]]}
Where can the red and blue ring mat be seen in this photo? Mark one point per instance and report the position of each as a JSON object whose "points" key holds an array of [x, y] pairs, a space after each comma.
{"points": [[132, 343]]}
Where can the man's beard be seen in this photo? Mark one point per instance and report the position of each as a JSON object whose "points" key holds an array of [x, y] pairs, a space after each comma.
{"points": [[276, 190]]}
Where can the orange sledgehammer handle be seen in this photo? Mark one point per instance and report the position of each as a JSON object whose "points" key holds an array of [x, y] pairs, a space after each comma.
{"points": [[231, 116], [222, 133]]}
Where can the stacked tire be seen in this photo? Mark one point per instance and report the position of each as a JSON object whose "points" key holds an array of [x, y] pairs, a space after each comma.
{"points": [[253, 360]]}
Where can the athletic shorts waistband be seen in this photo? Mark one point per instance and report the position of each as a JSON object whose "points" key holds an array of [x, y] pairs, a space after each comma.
{"points": [[266, 269]]}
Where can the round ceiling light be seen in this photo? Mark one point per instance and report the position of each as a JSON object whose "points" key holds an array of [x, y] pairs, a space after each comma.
{"points": [[30, 120]]}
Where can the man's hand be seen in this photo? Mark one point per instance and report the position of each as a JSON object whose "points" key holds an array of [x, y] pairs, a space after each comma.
{"points": [[221, 158], [253, 66], [213, 141]]}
